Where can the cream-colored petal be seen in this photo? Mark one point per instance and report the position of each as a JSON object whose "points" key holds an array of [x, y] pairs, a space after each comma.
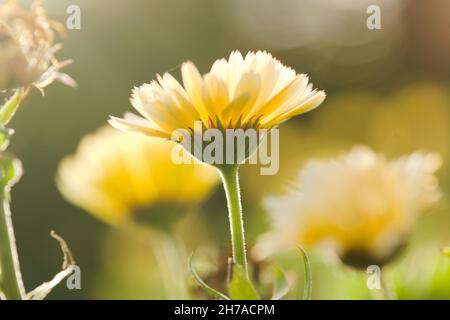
{"points": [[220, 69], [235, 72], [309, 103], [133, 126], [229, 113], [215, 94], [257, 90], [249, 85], [193, 83], [279, 100], [162, 112]]}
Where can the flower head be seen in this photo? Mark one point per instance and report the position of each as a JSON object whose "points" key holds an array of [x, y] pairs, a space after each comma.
{"points": [[257, 91], [112, 176], [27, 48], [360, 204]]}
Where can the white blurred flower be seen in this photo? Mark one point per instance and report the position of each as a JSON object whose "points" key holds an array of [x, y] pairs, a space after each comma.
{"points": [[359, 204]]}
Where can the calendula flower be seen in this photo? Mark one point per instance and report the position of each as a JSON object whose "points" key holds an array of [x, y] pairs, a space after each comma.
{"points": [[360, 204], [27, 47], [112, 176], [257, 91]]}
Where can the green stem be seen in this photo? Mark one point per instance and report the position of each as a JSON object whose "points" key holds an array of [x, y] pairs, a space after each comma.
{"points": [[387, 286], [11, 279], [230, 179], [168, 255]]}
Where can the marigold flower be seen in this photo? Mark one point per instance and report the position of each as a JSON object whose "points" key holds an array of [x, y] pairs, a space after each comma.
{"points": [[257, 91], [239, 96], [112, 176], [27, 48], [360, 204]]}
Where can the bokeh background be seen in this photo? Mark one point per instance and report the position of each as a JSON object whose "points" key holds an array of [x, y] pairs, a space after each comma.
{"points": [[388, 89]]}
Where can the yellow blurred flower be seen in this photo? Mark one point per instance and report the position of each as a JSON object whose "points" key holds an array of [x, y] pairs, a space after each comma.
{"points": [[27, 48], [446, 251], [112, 176], [257, 91], [359, 204]]}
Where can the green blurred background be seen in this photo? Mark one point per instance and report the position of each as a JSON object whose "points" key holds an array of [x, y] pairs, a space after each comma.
{"points": [[386, 88]]}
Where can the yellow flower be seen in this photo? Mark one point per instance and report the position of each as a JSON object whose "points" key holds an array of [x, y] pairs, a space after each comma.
{"points": [[112, 176], [360, 204], [257, 91], [446, 251], [27, 48]]}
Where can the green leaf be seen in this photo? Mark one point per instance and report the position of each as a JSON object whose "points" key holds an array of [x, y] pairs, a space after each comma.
{"points": [[8, 110], [307, 289], [281, 285], [216, 294], [10, 170], [5, 134], [240, 287]]}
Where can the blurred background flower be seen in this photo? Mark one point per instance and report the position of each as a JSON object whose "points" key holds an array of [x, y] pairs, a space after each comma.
{"points": [[116, 176], [365, 117], [121, 179], [27, 47], [387, 89], [359, 205]]}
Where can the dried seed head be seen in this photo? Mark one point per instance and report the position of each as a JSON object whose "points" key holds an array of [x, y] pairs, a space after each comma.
{"points": [[27, 48]]}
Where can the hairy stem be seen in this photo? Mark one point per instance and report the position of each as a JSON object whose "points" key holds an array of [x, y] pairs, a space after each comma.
{"points": [[11, 278], [230, 179]]}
